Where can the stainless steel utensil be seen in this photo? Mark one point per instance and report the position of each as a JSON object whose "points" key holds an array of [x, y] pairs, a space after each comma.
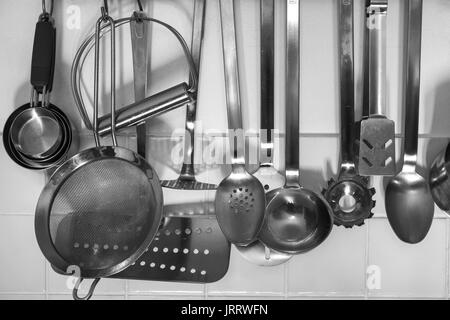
{"points": [[269, 177], [139, 44], [297, 219], [349, 196], [70, 143], [136, 113], [155, 105], [377, 133], [106, 195], [38, 135], [186, 180], [439, 181], [184, 250], [240, 199], [409, 204]]}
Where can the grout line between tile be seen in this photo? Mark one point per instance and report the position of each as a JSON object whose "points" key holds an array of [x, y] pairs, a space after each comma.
{"points": [[127, 285], [245, 294], [302, 135], [46, 278], [286, 279]]}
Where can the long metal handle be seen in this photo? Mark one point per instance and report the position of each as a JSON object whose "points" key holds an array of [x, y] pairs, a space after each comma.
{"points": [[376, 23], [139, 44], [267, 81], [346, 53], [191, 110], [105, 18], [136, 113], [412, 98], [292, 93], [232, 82]]}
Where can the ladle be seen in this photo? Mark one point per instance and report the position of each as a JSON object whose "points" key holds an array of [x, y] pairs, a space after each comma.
{"points": [[297, 219], [270, 178], [349, 196], [240, 199], [409, 205]]}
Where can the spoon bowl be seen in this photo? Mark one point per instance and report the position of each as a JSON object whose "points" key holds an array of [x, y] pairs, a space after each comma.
{"points": [[239, 204], [408, 206]]}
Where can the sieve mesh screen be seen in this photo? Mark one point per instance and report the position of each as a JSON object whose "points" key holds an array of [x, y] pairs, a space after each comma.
{"points": [[102, 214]]}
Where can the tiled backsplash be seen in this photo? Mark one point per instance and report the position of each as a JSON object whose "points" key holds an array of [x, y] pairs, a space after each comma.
{"points": [[365, 262]]}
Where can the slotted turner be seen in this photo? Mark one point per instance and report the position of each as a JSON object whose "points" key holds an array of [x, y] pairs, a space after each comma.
{"points": [[377, 133], [186, 180], [184, 250]]}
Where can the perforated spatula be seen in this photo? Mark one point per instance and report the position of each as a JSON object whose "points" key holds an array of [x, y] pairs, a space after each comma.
{"points": [[377, 133]]}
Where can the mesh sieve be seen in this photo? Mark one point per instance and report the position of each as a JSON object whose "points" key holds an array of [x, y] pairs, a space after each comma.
{"points": [[105, 206], [101, 208]]}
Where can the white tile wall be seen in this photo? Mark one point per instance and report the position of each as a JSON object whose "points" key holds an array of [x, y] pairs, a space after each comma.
{"points": [[339, 267]]}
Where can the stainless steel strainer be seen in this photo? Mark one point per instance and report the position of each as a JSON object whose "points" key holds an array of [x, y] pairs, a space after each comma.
{"points": [[101, 209]]}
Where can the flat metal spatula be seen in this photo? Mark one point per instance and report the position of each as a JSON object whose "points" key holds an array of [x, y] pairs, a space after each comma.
{"points": [[377, 133]]}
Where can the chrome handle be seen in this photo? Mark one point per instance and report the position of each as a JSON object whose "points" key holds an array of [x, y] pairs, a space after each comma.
{"points": [[139, 44], [267, 82], [191, 109], [412, 91], [230, 59], [292, 93], [347, 100], [376, 24]]}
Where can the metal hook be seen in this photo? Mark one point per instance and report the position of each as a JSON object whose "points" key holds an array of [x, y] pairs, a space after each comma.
{"points": [[90, 292], [141, 8], [105, 10], [44, 8]]}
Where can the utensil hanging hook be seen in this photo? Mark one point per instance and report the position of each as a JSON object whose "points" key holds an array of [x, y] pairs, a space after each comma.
{"points": [[105, 10], [141, 8], [44, 8]]}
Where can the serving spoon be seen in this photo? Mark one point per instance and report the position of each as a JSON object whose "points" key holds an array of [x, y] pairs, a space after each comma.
{"points": [[409, 204], [240, 199]]}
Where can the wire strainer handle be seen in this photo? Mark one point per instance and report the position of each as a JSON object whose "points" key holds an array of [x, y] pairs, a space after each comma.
{"points": [[105, 18], [86, 47], [90, 292]]}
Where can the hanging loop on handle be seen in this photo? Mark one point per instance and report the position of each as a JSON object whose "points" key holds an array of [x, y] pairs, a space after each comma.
{"points": [[90, 292]]}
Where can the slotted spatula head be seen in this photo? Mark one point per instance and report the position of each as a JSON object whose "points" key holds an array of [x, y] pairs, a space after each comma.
{"points": [[377, 147]]}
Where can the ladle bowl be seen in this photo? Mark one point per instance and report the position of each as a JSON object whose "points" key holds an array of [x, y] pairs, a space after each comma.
{"points": [[408, 202], [297, 220]]}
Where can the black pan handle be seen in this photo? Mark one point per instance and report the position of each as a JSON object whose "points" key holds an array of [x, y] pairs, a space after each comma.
{"points": [[43, 59]]}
